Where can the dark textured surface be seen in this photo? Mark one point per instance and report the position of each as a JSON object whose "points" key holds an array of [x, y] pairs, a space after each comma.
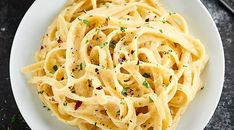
{"points": [[12, 11]]}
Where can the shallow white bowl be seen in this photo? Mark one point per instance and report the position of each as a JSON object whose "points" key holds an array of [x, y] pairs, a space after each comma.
{"points": [[40, 15]]}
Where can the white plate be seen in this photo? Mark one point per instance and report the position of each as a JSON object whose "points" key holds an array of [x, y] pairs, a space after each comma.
{"points": [[40, 15]]}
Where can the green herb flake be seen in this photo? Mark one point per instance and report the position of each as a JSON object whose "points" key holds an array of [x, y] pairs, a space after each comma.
{"points": [[146, 75], [95, 123], [86, 41], [108, 18], [122, 29], [171, 13], [122, 101], [55, 68], [97, 30], [146, 84], [163, 21], [150, 99], [118, 112], [81, 66], [107, 6], [64, 104], [124, 91], [85, 22], [40, 92], [160, 30], [103, 44], [13, 118]]}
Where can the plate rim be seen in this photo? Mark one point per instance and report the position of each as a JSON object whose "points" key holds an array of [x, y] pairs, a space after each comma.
{"points": [[205, 122]]}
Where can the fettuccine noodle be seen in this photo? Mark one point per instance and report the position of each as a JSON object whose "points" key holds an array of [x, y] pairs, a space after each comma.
{"points": [[118, 65]]}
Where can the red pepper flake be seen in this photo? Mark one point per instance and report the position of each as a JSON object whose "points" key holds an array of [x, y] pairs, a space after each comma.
{"points": [[122, 60], [42, 47], [59, 40], [78, 104], [99, 88]]}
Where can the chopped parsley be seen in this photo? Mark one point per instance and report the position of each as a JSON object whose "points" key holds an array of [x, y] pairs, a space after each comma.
{"points": [[171, 13], [107, 6], [122, 29], [103, 44], [118, 112], [64, 104], [122, 101], [146, 84], [160, 30], [95, 123], [55, 68], [85, 22], [108, 18], [97, 30], [163, 21], [81, 66], [146, 75], [40, 92], [124, 91], [150, 99], [86, 41]]}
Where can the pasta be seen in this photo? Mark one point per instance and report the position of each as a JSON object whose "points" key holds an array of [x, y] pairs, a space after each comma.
{"points": [[118, 64]]}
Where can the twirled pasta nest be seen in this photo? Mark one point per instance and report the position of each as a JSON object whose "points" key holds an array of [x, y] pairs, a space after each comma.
{"points": [[116, 64]]}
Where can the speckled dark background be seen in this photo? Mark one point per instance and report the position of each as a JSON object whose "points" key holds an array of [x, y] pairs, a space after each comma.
{"points": [[11, 13]]}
